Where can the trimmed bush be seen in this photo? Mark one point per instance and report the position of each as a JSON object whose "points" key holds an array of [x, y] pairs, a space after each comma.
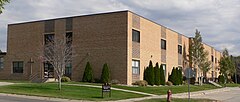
{"points": [[221, 79], [141, 83], [181, 76], [173, 76], [96, 80], [88, 75], [105, 77], [157, 74], [151, 74], [162, 76], [169, 83], [65, 79], [192, 80]]}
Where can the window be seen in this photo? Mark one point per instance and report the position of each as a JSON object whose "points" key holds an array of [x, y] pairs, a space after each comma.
{"points": [[164, 69], [135, 67], [212, 58], [135, 36], [1, 63], [68, 69], [48, 70], [18, 67], [69, 38], [163, 44], [48, 38], [69, 24], [216, 60], [179, 49]]}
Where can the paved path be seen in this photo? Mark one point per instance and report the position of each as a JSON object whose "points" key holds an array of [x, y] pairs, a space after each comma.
{"points": [[5, 83], [232, 94]]}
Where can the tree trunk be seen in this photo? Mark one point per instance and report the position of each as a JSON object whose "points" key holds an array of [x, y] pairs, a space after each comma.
{"points": [[59, 83]]}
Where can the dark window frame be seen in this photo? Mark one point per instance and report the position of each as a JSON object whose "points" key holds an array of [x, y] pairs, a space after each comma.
{"points": [[163, 44], [136, 35], [48, 38], [1, 62], [179, 49], [136, 67], [18, 68]]}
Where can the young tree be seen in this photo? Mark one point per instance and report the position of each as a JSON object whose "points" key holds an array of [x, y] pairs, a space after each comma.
{"points": [[151, 74], [105, 77], [162, 76], [196, 53], [227, 67], [88, 75], [58, 52], [157, 74], [2, 3]]}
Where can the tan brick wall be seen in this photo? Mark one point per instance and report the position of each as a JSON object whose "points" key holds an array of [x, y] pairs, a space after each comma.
{"points": [[99, 39]]}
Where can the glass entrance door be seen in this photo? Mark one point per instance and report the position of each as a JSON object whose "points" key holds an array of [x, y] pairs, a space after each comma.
{"points": [[48, 70]]}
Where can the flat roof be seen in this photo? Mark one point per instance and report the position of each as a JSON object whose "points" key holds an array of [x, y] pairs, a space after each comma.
{"points": [[104, 14]]}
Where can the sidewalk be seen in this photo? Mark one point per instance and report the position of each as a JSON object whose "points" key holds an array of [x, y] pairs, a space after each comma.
{"points": [[5, 83]]}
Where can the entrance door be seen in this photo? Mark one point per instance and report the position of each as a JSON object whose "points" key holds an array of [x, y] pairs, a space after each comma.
{"points": [[48, 70]]}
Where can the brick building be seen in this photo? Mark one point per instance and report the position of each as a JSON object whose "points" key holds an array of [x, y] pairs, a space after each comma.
{"points": [[124, 40]]}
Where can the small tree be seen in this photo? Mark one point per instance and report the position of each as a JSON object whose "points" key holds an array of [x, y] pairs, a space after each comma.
{"points": [[157, 74], [58, 52], [105, 77], [88, 75], [3, 2], [180, 76], [173, 76], [151, 74], [162, 76]]}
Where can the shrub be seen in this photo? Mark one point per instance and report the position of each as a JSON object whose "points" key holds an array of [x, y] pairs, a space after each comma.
{"points": [[173, 77], [65, 79], [157, 74], [96, 80], [169, 83], [151, 74], [162, 76], [192, 80], [115, 81], [141, 83], [105, 77], [88, 75], [221, 79]]}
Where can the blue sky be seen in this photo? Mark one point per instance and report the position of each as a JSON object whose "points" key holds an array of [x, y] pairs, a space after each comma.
{"points": [[217, 20]]}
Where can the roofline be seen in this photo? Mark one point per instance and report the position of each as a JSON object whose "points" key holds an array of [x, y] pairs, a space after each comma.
{"points": [[93, 14]]}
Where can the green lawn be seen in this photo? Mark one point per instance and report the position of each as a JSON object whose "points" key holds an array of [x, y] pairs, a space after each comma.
{"points": [[178, 100], [163, 89], [69, 92]]}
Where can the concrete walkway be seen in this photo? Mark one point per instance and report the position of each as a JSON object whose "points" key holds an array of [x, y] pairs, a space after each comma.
{"points": [[5, 83], [136, 92]]}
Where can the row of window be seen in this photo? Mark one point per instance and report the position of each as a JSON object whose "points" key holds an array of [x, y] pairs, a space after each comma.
{"points": [[50, 38], [136, 38], [18, 67], [136, 67], [1, 63]]}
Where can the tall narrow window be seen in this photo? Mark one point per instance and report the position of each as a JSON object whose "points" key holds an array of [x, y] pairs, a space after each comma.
{"points": [[48, 38], [135, 67], [163, 44], [135, 36], [216, 60], [18, 67], [1, 63], [68, 70], [179, 49], [164, 69], [69, 37], [212, 58]]}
